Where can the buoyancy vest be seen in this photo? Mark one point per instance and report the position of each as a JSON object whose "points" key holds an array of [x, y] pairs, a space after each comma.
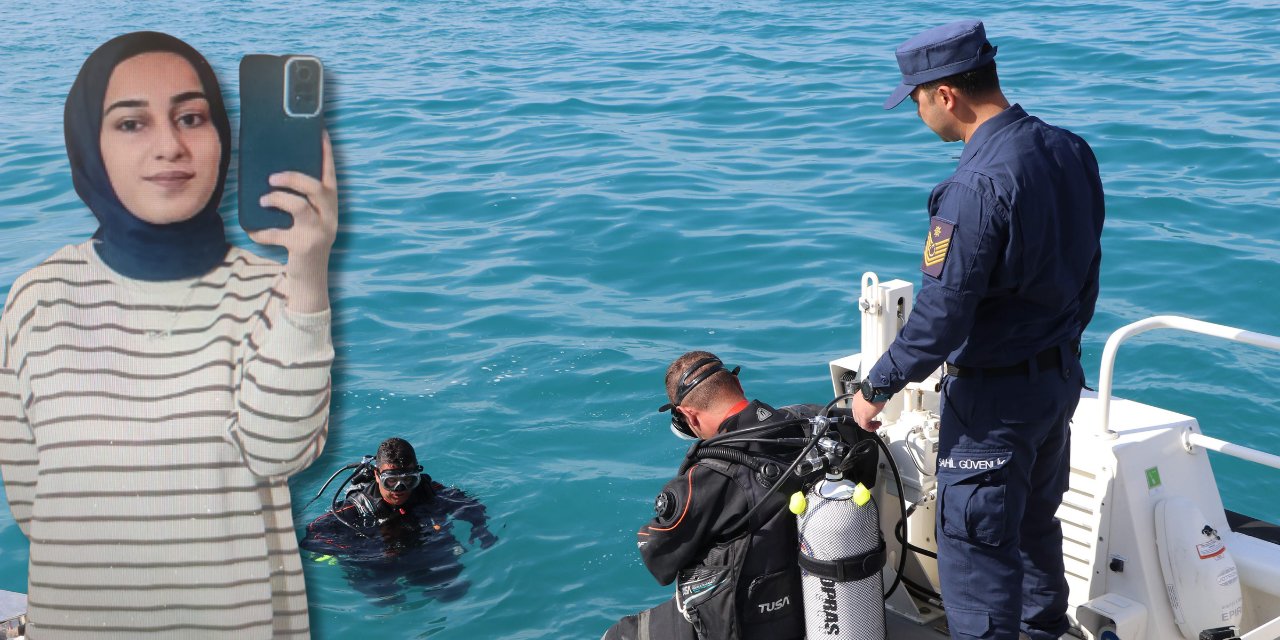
{"points": [[748, 586]]}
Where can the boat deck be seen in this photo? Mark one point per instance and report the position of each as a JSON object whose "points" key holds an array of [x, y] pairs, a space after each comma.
{"points": [[900, 628]]}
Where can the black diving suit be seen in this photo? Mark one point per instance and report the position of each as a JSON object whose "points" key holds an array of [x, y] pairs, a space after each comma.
{"points": [[384, 548], [734, 580]]}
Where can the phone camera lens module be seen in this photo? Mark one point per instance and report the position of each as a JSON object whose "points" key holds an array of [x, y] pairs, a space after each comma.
{"points": [[303, 87]]}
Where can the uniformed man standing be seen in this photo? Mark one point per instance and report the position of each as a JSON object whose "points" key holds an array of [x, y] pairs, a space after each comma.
{"points": [[1010, 280], [729, 586]]}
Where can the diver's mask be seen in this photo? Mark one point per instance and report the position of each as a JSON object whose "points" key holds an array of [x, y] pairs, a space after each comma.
{"points": [[398, 480], [679, 425]]}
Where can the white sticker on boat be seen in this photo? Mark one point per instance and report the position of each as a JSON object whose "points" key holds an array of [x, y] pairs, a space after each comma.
{"points": [[1210, 549]]}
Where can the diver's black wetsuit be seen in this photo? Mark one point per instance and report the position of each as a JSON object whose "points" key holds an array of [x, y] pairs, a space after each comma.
{"points": [[377, 544], [733, 586]]}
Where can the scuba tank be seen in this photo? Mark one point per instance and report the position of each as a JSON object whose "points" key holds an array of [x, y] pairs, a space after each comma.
{"points": [[842, 551], [841, 556]]}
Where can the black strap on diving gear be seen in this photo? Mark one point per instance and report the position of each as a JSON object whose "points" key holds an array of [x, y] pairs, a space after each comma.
{"points": [[678, 424], [686, 385], [852, 569], [721, 442], [403, 479]]}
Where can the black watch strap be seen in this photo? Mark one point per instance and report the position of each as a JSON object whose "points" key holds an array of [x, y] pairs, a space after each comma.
{"points": [[873, 394]]}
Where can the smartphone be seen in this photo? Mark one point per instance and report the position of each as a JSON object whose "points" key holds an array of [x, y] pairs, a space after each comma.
{"points": [[281, 124]]}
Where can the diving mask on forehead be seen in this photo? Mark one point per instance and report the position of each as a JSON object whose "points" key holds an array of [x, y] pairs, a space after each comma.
{"points": [[679, 425]]}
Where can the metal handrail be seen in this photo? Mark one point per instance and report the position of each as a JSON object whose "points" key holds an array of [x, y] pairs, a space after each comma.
{"points": [[1192, 439], [1107, 371]]}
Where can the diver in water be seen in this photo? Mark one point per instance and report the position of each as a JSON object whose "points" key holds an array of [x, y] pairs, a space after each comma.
{"points": [[393, 527]]}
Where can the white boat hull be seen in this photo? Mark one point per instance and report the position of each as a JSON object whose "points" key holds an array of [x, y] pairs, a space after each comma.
{"points": [[1125, 458]]}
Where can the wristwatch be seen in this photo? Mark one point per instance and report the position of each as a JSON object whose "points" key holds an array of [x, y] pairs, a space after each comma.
{"points": [[873, 394]]}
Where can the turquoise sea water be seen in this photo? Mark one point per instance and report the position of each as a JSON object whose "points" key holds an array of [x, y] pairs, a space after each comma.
{"points": [[543, 203]]}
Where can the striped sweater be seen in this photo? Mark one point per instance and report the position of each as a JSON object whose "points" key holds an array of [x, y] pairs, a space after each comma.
{"points": [[146, 433]]}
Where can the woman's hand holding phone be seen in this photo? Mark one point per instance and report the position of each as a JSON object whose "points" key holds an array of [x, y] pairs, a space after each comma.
{"points": [[314, 207]]}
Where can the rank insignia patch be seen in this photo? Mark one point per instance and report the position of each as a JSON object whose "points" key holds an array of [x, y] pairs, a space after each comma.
{"points": [[936, 245]]}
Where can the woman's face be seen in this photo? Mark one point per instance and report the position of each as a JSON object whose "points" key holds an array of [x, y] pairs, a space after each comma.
{"points": [[160, 149]]}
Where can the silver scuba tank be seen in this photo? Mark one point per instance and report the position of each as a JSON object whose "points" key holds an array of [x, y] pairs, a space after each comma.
{"points": [[841, 555]]}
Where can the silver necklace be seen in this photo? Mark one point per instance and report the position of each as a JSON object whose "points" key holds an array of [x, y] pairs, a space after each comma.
{"points": [[175, 312]]}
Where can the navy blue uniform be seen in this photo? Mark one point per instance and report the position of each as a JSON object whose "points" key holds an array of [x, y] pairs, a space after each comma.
{"points": [[1010, 281]]}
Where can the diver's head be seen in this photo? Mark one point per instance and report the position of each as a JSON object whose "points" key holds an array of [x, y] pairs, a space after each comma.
{"points": [[398, 471], [701, 392]]}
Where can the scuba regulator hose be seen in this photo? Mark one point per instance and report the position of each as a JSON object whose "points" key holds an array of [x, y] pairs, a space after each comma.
{"points": [[713, 447], [365, 463]]}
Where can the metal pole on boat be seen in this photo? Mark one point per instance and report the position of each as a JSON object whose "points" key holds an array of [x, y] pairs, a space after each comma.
{"points": [[1107, 371], [1191, 439]]}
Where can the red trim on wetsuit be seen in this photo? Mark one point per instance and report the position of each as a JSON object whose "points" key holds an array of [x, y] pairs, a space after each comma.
{"points": [[734, 410], [327, 539]]}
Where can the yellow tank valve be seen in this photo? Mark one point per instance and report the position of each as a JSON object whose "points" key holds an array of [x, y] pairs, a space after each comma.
{"points": [[798, 503], [861, 495]]}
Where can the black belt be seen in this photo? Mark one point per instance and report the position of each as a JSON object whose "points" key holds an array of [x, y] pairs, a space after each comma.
{"points": [[1048, 360]]}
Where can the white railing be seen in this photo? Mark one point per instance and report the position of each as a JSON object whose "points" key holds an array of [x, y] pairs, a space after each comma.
{"points": [[1107, 372], [1268, 630]]}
